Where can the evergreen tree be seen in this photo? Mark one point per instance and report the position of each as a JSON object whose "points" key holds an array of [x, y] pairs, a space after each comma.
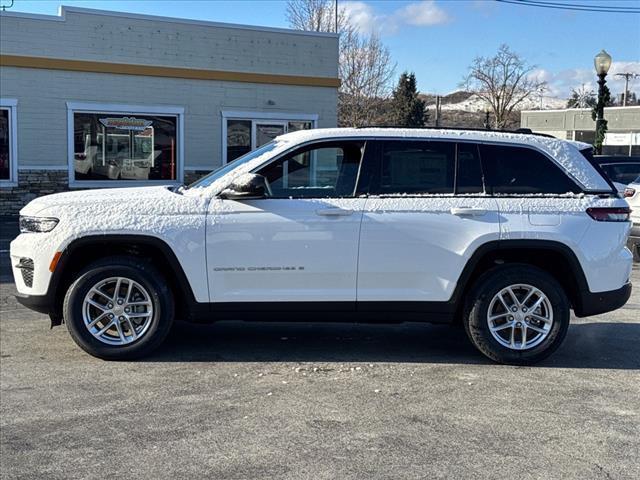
{"points": [[407, 110], [582, 98]]}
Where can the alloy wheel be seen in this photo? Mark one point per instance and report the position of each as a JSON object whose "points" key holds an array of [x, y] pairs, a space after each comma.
{"points": [[520, 317], [117, 311]]}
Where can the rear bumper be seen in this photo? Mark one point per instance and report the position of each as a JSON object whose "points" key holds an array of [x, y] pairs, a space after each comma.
{"points": [[602, 302]]}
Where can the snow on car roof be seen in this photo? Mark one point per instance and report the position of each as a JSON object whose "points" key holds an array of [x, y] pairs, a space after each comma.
{"points": [[564, 152]]}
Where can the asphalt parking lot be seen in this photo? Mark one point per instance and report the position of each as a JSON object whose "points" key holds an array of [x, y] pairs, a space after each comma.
{"points": [[318, 401]]}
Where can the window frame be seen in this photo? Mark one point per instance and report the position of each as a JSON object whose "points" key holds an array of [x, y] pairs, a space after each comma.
{"points": [[261, 117], [11, 105], [324, 143], [108, 108]]}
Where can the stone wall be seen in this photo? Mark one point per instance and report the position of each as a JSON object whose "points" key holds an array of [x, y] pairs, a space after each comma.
{"points": [[35, 183], [31, 184]]}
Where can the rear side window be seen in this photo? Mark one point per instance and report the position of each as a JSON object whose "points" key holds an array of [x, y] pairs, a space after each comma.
{"points": [[520, 170], [416, 167]]}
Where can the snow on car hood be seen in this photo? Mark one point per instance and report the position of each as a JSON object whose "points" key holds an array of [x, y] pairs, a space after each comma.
{"points": [[144, 198], [153, 210]]}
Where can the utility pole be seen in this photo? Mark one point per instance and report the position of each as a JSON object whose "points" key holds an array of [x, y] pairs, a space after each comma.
{"points": [[336, 16], [627, 76], [437, 110]]}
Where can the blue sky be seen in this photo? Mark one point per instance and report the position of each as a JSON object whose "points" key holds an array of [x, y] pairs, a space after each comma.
{"points": [[437, 39]]}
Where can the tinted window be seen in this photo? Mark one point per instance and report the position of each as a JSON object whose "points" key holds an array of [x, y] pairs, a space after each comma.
{"points": [[520, 170], [469, 174], [316, 172], [621, 172], [416, 167]]}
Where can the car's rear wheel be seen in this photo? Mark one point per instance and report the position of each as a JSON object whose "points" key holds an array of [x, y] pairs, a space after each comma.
{"points": [[517, 314], [119, 308]]}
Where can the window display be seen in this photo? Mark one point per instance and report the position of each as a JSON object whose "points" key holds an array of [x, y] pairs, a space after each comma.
{"points": [[110, 146]]}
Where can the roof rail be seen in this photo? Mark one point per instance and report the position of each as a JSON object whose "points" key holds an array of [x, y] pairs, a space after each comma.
{"points": [[522, 131]]}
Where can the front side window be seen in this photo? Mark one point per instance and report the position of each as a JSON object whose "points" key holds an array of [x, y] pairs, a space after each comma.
{"points": [[329, 170], [521, 170], [416, 167], [115, 146], [5, 145]]}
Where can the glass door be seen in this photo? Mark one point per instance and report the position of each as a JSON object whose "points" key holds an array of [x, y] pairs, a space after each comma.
{"points": [[267, 131]]}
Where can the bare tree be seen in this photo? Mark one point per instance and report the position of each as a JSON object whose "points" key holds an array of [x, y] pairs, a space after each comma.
{"points": [[504, 81], [365, 65], [314, 15]]}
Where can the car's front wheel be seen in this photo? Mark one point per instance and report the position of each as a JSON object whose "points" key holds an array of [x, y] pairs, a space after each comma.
{"points": [[119, 308], [517, 314]]}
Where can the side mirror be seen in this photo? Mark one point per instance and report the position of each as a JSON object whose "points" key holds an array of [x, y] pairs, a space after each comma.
{"points": [[249, 186]]}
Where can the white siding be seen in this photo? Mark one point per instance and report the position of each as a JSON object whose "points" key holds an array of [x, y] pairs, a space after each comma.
{"points": [[82, 35], [42, 134], [98, 36]]}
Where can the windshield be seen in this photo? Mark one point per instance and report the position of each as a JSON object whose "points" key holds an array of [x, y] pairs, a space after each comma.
{"points": [[225, 169]]}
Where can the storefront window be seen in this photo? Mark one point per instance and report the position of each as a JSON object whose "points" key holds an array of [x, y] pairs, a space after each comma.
{"points": [[245, 135], [114, 146], [5, 145]]}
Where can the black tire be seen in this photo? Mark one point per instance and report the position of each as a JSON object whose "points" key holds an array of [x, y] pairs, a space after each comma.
{"points": [[479, 300], [139, 271]]}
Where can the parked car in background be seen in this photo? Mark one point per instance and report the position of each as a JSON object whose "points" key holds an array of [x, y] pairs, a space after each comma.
{"points": [[632, 196], [504, 232], [620, 170]]}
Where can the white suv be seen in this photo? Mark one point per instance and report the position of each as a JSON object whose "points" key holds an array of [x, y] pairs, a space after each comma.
{"points": [[505, 232]]}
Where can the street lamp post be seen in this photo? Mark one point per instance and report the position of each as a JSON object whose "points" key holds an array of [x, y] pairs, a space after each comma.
{"points": [[601, 62]]}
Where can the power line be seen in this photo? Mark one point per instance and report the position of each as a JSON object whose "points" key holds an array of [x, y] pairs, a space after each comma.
{"points": [[577, 6], [573, 7]]}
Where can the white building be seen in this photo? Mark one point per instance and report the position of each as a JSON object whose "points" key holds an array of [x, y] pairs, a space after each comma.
{"points": [[92, 98], [623, 127]]}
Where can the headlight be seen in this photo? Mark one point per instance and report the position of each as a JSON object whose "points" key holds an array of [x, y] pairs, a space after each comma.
{"points": [[37, 224]]}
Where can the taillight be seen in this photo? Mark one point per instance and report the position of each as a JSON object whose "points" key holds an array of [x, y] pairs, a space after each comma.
{"points": [[617, 214], [629, 192]]}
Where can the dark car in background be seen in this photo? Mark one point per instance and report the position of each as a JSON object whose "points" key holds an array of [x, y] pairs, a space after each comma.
{"points": [[621, 170]]}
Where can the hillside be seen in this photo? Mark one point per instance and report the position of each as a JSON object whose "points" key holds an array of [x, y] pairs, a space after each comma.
{"points": [[465, 109]]}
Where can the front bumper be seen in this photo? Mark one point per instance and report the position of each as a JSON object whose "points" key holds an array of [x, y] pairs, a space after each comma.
{"points": [[602, 302], [38, 303]]}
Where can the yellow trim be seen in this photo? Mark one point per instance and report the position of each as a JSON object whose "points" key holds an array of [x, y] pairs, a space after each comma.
{"points": [[158, 71]]}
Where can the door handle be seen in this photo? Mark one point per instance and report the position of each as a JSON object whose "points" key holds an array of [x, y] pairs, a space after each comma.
{"points": [[334, 212], [468, 211]]}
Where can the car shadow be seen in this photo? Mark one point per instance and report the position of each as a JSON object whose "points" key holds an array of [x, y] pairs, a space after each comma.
{"points": [[588, 345]]}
